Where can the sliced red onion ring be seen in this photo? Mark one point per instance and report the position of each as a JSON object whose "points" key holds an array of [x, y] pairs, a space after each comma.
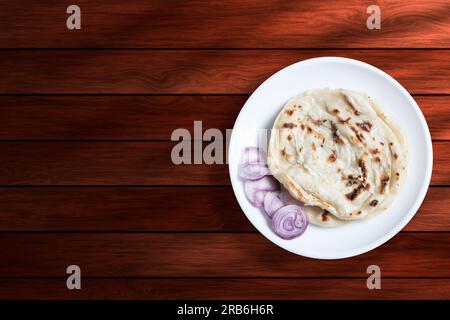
{"points": [[273, 202], [289, 222], [253, 155], [253, 171], [256, 190]]}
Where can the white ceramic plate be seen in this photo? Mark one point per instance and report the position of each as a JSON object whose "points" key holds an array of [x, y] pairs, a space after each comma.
{"points": [[265, 103]]}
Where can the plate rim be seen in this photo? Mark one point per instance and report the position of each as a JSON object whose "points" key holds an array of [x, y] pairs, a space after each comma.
{"points": [[419, 197]]}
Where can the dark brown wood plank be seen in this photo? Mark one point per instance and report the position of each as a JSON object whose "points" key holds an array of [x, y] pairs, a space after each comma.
{"points": [[104, 209], [113, 117], [144, 117], [436, 110], [157, 209], [206, 289], [202, 255], [127, 163], [101, 163], [433, 212], [193, 71], [441, 163], [243, 23]]}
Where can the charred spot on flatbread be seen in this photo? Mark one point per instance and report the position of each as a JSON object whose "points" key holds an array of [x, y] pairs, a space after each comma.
{"points": [[289, 125], [352, 106], [334, 133], [332, 157], [384, 183], [358, 135], [289, 112], [362, 166], [325, 216], [366, 126]]}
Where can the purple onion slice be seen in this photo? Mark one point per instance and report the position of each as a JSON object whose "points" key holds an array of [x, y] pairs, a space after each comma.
{"points": [[273, 202], [253, 155], [256, 190], [289, 222], [252, 171]]}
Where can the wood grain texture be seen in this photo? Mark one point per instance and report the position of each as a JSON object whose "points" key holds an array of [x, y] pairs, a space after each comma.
{"points": [[143, 228], [203, 255], [145, 117], [101, 163], [436, 110], [121, 209], [227, 24], [193, 71], [226, 289], [128, 163], [113, 117], [200, 209]]}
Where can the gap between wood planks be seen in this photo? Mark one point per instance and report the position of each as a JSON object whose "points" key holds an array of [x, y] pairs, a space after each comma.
{"points": [[215, 49]]}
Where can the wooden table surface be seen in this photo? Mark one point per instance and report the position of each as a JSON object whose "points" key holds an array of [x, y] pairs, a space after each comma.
{"points": [[85, 124]]}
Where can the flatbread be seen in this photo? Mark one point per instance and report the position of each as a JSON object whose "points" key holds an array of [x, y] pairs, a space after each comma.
{"points": [[336, 150]]}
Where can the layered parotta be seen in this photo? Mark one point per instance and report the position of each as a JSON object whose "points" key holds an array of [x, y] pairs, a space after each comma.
{"points": [[335, 150]]}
